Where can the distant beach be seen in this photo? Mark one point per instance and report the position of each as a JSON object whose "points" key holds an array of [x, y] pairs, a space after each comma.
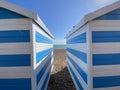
{"points": [[60, 46], [60, 78]]}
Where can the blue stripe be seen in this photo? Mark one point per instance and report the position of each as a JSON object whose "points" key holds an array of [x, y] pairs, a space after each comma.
{"points": [[81, 55], [7, 14], [42, 71], [42, 39], [15, 84], [46, 80], [15, 60], [114, 15], [15, 36], [106, 81], [75, 78], [78, 39], [42, 54], [105, 36], [106, 59], [80, 71]]}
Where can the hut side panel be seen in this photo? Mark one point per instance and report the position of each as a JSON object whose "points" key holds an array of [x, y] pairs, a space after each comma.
{"points": [[77, 52], [106, 54], [26, 50], [44, 57], [15, 51], [103, 53]]}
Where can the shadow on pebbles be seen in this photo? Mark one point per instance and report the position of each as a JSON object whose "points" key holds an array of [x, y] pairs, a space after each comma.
{"points": [[60, 78]]}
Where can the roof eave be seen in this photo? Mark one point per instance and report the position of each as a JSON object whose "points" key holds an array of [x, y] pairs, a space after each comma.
{"points": [[18, 9], [95, 14], [24, 12], [44, 27]]}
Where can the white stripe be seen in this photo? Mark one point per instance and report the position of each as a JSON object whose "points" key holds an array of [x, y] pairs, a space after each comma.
{"points": [[15, 21], [73, 78], [83, 84], [80, 63], [39, 64], [15, 48], [105, 22], [15, 69], [44, 75], [108, 70], [40, 47], [39, 30], [46, 85], [14, 27], [43, 78], [43, 62], [79, 47], [105, 48], [106, 28], [14, 45], [15, 51], [46, 57], [14, 24], [52, 63], [108, 88], [80, 31], [39, 67], [15, 75], [105, 25]]}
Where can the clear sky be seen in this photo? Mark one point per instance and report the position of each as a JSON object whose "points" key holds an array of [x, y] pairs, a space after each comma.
{"points": [[61, 15]]}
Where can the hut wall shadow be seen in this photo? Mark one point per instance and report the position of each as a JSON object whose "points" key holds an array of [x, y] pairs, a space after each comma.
{"points": [[60, 79]]}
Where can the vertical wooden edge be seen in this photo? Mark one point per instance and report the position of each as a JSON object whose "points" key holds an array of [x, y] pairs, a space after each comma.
{"points": [[52, 61], [89, 54], [33, 55]]}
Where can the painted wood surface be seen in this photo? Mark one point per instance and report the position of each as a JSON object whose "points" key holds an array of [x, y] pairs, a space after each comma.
{"points": [[26, 53], [102, 49]]}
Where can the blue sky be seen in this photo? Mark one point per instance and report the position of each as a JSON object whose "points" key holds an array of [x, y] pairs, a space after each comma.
{"points": [[61, 15]]}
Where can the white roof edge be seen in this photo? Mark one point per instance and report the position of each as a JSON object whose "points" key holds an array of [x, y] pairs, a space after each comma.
{"points": [[94, 15], [24, 12], [43, 26], [18, 9]]}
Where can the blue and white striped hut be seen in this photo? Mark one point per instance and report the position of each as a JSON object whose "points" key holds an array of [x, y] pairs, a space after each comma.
{"points": [[26, 49], [93, 50]]}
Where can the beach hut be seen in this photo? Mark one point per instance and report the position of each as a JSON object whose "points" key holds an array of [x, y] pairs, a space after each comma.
{"points": [[93, 50], [26, 49]]}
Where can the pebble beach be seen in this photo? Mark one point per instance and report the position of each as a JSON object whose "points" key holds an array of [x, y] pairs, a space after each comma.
{"points": [[60, 78]]}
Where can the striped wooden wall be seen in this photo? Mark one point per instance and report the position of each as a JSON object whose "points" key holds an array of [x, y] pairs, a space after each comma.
{"points": [[26, 55], [93, 53], [15, 51], [106, 54], [77, 57], [44, 57]]}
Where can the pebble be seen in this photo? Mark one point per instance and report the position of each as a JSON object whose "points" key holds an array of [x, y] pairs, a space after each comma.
{"points": [[60, 78]]}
